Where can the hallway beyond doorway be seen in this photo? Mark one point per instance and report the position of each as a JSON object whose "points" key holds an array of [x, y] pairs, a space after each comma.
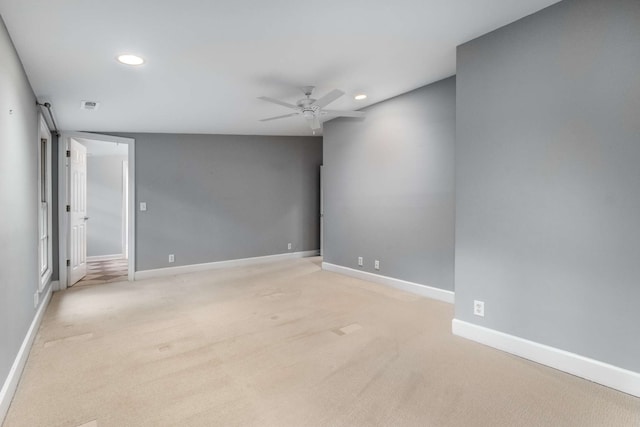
{"points": [[100, 272]]}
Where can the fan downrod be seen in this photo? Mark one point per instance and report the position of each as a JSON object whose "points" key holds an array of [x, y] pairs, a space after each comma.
{"points": [[307, 102], [307, 90]]}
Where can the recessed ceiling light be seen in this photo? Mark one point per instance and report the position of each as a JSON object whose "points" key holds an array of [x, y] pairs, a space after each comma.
{"points": [[360, 97], [130, 59]]}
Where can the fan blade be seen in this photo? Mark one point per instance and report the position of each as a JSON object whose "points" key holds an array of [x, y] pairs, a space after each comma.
{"points": [[276, 101], [329, 98], [345, 113], [279, 117], [314, 123]]}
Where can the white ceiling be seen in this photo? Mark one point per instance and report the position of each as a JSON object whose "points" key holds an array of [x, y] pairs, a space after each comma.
{"points": [[208, 61]]}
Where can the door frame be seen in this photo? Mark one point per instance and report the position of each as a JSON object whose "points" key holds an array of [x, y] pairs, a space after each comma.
{"points": [[321, 210], [63, 198]]}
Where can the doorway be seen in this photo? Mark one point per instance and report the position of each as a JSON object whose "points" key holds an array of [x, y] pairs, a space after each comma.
{"points": [[96, 193], [321, 210]]}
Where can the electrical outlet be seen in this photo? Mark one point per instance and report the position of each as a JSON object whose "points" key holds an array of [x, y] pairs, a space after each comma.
{"points": [[172, 258], [143, 206], [478, 308], [289, 246], [36, 298], [376, 264], [360, 261]]}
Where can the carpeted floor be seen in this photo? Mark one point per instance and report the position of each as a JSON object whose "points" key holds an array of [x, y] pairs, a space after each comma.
{"points": [[283, 344]]}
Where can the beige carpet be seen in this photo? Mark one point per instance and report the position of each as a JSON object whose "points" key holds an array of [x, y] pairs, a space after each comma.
{"points": [[283, 344]]}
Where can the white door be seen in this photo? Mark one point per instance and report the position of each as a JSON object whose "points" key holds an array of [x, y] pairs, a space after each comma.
{"points": [[78, 216], [321, 210], [125, 209]]}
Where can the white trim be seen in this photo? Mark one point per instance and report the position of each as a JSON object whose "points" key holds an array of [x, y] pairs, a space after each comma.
{"points": [[62, 214], [105, 257], [125, 208], [192, 268], [584, 367], [45, 279], [321, 210], [11, 382], [131, 221], [45, 133], [55, 286], [63, 190], [414, 288]]}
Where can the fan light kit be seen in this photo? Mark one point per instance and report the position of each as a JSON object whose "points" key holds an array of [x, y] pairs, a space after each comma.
{"points": [[312, 109], [360, 97], [129, 59]]}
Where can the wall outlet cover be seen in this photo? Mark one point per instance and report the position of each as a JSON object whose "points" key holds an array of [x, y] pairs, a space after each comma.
{"points": [[478, 308], [360, 261], [376, 264], [172, 258]]}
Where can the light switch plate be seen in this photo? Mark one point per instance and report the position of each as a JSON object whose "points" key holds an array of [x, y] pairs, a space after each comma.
{"points": [[143, 206]]}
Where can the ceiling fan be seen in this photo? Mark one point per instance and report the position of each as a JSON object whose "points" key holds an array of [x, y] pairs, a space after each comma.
{"points": [[313, 109]]}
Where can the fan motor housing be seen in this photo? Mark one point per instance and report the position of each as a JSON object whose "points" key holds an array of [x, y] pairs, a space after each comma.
{"points": [[306, 102]]}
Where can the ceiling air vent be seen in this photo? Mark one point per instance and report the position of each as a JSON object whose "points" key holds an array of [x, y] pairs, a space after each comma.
{"points": [[89, 105]]}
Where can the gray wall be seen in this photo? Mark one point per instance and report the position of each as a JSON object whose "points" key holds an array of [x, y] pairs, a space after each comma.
{"points": [[19, 276], [389, 187], [220, 197], [104, 205], [547, 175]]}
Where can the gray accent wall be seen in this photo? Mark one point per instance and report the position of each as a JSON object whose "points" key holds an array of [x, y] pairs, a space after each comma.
{"points": [[547, 179], [389, 187], [222, 197], [19, 272], [104, 205]]}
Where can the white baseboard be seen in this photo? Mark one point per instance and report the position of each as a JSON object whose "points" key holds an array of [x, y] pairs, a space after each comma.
{"points": [[55, 286], [584, 367], [414, 288], [105, 257], [11, 382], [170, 271]]}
